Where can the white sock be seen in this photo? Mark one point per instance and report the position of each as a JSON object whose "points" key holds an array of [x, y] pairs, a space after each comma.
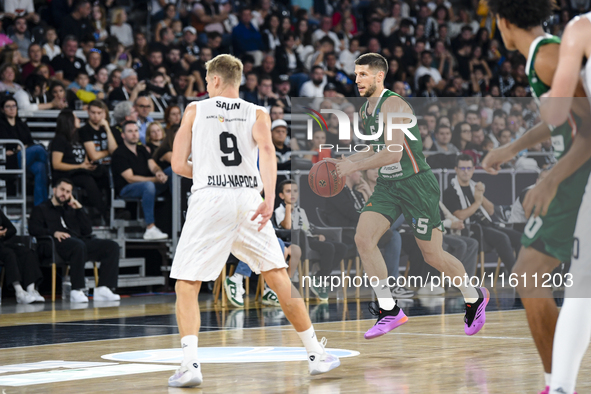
{"points": [[238, 278], [310, 341], [17, 287], [31, 287], [548, 378], [384, 295], [189, 345], [470, 294], [571, 340]]}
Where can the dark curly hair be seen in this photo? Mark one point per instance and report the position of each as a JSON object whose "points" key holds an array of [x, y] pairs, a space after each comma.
{"points": [[525, 14]]}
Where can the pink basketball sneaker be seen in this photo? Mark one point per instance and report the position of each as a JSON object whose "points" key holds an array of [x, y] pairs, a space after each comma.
{"points": [[476, 313], [387, 320]]}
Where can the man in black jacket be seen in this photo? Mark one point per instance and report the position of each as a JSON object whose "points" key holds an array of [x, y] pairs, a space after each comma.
{"points": [[21, 264], [63, 218]]}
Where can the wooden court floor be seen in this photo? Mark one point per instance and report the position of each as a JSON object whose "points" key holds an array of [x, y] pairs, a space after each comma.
{"points": [[429, 354]]}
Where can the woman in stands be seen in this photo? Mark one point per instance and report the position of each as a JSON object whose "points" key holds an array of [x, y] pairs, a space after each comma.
{"points": [[58, 93], [172, 116], [43, 70], [120, 28], [69, 160], [12, 127], [100, 79], [270, 31], [114, 81], [462, 136], [154, 136], [169, 16], [139, 51], [99, 22], [7, 78]]}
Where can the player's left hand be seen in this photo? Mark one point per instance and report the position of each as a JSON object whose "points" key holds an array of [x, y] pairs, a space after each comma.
{"points": [[539, 198], [345, 166], [265, 210]]}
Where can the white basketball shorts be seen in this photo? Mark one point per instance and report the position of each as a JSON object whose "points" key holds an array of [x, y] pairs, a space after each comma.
{"points": [[580, 268], [217, 224]]}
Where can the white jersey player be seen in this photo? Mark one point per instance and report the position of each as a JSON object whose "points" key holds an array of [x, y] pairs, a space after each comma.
{"points": [[223, 135], [573, 330]]}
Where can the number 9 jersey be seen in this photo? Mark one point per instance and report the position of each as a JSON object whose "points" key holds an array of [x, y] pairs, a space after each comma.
{"points": [[224, 152]]}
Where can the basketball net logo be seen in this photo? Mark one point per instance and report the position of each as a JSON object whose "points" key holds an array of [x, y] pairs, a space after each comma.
{"points": [[345, 128]]}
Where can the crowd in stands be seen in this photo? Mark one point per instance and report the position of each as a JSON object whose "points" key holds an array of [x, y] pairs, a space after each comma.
{"points": [[121, 61], [116, 52]]}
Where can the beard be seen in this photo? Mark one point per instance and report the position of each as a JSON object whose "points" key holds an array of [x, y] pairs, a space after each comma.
{"points": [[62, 200], [370, 90]]}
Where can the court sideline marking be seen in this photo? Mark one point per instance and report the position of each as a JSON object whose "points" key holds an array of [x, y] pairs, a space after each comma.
{"points": [[285, 327]]}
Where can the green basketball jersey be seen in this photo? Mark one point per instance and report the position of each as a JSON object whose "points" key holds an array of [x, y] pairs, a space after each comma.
{"points": [[562, 136], [412, 161]]}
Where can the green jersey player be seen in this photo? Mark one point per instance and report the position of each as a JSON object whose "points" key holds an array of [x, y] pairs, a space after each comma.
{"points": [[406, 185], [548, 236]]}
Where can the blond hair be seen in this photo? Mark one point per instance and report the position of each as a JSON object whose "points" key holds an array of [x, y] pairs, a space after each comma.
{"points": [[148, 131], [117, 16], [227, 67]]}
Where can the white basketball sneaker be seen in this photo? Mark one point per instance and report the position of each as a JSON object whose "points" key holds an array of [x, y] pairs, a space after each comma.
{"points": [[154, 233], [234, 291], [322, 363], [187, 376], [103, 293], [78, 296]]}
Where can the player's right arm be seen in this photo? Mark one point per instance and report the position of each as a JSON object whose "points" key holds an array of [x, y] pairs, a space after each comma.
{"points": [[555, 109], [573, 50], [261, 132], [181, 149], [493, 160]]}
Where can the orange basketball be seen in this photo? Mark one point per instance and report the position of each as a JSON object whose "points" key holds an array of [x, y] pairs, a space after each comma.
{"points": [[324, 180]]}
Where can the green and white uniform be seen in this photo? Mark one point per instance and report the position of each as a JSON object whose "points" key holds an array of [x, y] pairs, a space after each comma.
{"points": [[553, 233], [407, 187]]}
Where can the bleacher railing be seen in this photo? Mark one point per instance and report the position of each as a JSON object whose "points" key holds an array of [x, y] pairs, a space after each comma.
{"points": [[21, 199], [42, 123]]}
